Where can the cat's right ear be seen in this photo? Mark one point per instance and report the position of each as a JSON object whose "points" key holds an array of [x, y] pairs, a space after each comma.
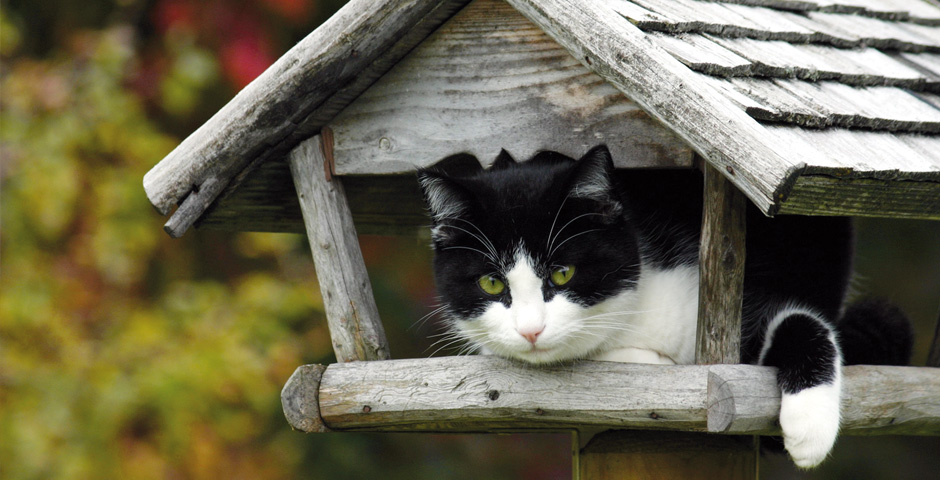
{"points": [[593, 180], [447, 202]]}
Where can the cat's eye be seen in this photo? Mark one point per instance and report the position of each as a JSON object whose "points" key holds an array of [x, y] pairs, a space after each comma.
{"points": [[491, 285], [562, 275]]}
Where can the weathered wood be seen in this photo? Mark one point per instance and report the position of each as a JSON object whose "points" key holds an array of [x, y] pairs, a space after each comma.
{"points": [[836, 27], [862, 197], [489, 394], [482, 393], [877, 400], [353, 318], [642, 455], [860, 67], [300, 399], [713, 125], [349, 47], [721, 271], [196, 202], [488, 80]]}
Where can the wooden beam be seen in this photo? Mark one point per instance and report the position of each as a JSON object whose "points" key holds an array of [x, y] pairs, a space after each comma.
{"points": [[309, 83], [489, 394], [721, 271], [353, 318]]}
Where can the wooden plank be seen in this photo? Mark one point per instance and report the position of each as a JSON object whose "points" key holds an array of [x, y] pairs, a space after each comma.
{"points": [[347, 47], [779, 105], [721, 271], [701, 54], [352, 316], [709, 122], [862, 197], [928, 64], [267, 202], [489, 394], [900, 10], [721, 19], [860, 67], [868, 154], [833, 104], [877, 33], [510, 87]]}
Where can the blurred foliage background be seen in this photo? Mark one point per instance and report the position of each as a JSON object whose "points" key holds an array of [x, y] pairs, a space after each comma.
{"points": [[125, 354]]}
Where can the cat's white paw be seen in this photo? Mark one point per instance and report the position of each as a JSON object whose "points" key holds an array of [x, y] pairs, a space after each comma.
{"points": [[810, 423]]}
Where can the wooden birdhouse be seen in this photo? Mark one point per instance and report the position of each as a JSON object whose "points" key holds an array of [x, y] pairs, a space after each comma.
{"points": [[806, 107]]}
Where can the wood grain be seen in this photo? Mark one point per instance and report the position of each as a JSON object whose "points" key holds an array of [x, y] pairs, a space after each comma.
{"points": [[489, 394], [721, 271], [489, 80], [353, 318], [300, 399]]}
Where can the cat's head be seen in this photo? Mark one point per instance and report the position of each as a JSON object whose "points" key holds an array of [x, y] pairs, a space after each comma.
{"points": [[527, 254]]}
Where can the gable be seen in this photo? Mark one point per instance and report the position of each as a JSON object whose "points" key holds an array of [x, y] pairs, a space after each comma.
{"points": [[488, 80]]}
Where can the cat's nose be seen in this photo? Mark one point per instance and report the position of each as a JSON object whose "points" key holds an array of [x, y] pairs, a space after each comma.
{"points": [[531, 334]]}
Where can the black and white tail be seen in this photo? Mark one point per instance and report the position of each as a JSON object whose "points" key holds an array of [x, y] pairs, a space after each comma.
{"points": [[809, 354]]}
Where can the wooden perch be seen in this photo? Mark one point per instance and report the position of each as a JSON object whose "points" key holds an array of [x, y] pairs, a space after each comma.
{"points": [[489, 394]]}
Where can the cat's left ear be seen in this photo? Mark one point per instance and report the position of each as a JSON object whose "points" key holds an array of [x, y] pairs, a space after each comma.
{"points": [[593, 180], [447, 201]]}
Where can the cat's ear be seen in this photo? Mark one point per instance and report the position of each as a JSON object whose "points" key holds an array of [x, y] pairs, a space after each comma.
{"points": [[446, 199], [503, 160], [593, 180], [459, 165]]}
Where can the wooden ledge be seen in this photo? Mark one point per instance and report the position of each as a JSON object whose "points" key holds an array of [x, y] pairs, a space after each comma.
{"points": [[489, 394]]}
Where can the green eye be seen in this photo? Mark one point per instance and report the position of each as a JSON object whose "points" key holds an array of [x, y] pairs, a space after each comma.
{"points": [[491, 285], [562, 275]]}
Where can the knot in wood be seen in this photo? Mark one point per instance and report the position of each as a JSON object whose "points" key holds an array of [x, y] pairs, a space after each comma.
{"points": [[492, 395], [366, 409]]}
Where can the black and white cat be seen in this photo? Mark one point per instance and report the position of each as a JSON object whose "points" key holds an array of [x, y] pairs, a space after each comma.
{"points": [[553, 260]]}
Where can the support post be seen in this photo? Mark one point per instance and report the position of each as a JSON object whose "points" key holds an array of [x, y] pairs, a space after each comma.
{"points": [[721, 271], [353, 318], [646, 455]]}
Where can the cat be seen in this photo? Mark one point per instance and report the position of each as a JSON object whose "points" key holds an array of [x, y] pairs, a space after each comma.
{"points": [[554, 260]]}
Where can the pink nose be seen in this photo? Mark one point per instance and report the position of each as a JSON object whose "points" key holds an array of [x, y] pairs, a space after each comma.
{"points": [[531, 335]]}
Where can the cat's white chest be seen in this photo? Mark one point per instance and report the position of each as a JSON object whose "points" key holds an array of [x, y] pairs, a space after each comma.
{"points": [[659, 318]]}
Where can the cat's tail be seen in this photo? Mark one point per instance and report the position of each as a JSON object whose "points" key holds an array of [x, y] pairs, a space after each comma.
{"points": [[875, 332]]}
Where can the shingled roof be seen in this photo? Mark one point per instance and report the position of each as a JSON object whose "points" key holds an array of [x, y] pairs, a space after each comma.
{"points": [[816, 107], [848, 89]]}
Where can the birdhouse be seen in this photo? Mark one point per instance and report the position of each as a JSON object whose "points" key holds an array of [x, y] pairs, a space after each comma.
{"points": [[806, 107]]}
